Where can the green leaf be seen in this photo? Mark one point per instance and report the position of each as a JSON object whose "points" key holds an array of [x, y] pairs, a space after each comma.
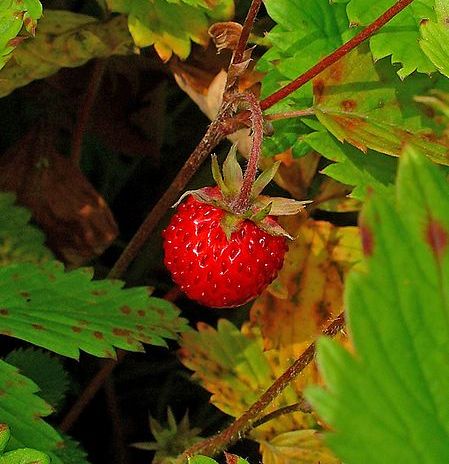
{"points": [[171, 25], [43, 369], [388, 401], [65, 39], [23, 410], [14, 15], [367, 105], [19, 241], [365, 171], [71, 452], [435, 38], [206, 460], [65, 311], [304, 33], [24, 456], [399, 37]]}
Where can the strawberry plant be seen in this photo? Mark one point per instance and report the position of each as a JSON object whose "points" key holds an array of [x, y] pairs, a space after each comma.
{"points": [[295, 316]]}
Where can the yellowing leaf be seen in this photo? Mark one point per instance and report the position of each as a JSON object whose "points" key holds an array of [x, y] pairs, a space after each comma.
{"points": [[171, 25], [65, 39], [366, 104], [312, 275], [233, 366], [297, 447]]}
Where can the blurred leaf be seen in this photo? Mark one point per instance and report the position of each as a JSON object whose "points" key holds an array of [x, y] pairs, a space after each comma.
{"points": [[388, 402], [19, 241], [23, 410], [171, 25], [398, 38], [66, 311], [352, 167], [43, 369], [435, 38], [65, 39], [14, 15], [76, 219], [369, 107]]}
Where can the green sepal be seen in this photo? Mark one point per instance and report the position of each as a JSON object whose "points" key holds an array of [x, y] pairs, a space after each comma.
{"points": [[281, 206], [232, 171], [264, 179], [230, 224], [218, 178], [262, 214]]}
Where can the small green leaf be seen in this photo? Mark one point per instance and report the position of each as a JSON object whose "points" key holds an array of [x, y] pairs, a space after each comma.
{"points": [[65, 311], [232, 171], [19, 241], [435, 38], [202, 460], [45, 370], [387, 403], [24, 456], [264, 179], [398, 38], [364, 171]]}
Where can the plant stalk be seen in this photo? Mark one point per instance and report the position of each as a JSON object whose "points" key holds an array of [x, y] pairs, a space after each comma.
{"points": [[285, 91], [242, 202]]}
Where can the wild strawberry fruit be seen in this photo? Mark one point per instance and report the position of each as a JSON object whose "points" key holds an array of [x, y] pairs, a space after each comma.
{"points": [[221, 258]]}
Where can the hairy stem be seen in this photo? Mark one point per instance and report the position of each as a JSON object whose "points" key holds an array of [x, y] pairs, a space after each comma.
{"points": [[242, 202], [289, 114], [300, 406], [213, 445], [334, 56], [85, 109], [246, 30], [216, 132]]}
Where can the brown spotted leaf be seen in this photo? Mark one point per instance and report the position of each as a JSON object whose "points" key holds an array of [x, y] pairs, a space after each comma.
{"points": [[312, 285], [66, 311], [235, 368], [367, 105], [396, 383]]}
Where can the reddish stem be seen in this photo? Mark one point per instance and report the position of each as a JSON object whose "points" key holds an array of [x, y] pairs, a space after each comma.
{"points": [[246, 30], [282, 93], [242, 202]]}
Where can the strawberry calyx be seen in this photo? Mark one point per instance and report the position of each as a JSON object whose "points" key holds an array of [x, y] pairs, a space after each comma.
{"points": [[261, 210]]}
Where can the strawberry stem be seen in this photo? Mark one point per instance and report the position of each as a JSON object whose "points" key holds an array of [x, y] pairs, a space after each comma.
{"points": [[242, 202]]}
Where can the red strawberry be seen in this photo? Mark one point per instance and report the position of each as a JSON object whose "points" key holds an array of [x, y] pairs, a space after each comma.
{"points": [[213, 270], [221, 258]]}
